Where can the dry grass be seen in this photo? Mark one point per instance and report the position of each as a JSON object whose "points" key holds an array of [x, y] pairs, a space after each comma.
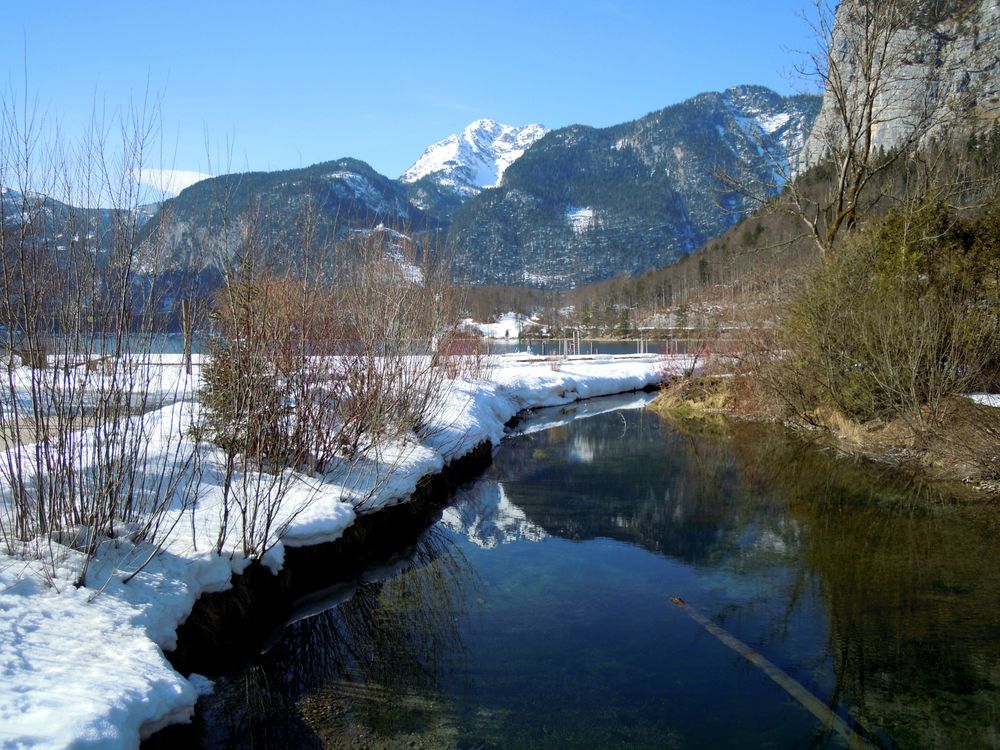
{"points": [[968, 447], [875, 437], [701, 394], [963, 446]]}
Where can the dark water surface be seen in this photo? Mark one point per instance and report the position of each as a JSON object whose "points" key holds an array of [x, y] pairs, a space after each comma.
{"points": [[537, 613]]}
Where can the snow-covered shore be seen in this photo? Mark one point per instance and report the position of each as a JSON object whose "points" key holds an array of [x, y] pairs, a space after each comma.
{"points": [[986, 399], [84, 667]]}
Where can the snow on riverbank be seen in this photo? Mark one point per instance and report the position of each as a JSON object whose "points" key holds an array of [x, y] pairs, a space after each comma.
{"points": [[85, 666], [986, 399]]}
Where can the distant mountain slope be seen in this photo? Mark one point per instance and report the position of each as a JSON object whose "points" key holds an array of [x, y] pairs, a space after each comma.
{"points": [[584, 204], [576, 205], [57, 225], [201, 224]]}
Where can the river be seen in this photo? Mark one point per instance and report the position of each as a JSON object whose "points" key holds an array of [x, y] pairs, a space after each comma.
{"points": [[537, 613]]}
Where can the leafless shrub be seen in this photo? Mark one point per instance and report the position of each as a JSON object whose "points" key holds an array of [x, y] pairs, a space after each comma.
{"points": [[968, 444], [464, 354], [396, 316], [320, 366], [83, 459], [263, 383]]}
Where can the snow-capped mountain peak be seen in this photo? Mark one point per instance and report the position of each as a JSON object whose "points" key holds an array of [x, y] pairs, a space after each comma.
{"points": [[476, 158]]}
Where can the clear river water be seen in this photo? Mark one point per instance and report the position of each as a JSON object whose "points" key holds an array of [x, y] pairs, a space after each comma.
{"points": [[537, 613]]}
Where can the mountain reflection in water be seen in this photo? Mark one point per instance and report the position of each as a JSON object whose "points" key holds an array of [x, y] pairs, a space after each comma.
{"points": [[486, 517], [535, 613]]}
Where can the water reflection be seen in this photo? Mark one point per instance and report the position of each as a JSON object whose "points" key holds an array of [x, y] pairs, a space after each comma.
{"points": [[370, 664], [485, 516], [541, 420], [908, 584], [671, 493], [537, 613]]}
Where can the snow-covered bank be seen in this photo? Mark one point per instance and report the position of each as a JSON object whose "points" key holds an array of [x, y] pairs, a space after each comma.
{"points": [[85, 666], [986, 399]]}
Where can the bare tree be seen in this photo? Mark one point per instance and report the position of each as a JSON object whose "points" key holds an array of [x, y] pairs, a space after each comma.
{"points": [[880, 103]]}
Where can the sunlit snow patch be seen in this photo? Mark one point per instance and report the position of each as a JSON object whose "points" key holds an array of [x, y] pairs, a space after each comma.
{"points": [[581, 220]]}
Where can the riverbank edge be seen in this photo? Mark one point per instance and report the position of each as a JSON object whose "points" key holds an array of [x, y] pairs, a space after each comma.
{"points": [[227, 629], [706, 397]]}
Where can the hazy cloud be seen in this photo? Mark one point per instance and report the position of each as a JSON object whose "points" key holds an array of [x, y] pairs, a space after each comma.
{"points": [[170, 180]]}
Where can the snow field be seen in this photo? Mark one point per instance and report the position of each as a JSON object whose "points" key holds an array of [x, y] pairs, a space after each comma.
{"points": [[476, 158], [508, 326]]}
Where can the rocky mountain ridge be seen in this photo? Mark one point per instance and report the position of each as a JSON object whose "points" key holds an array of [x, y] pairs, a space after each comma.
{"points": [[203, 225], [521, 206], [584, 204]]}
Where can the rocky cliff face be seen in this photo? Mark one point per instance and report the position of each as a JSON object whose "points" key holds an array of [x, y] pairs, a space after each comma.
{"points": [[941, 70]]}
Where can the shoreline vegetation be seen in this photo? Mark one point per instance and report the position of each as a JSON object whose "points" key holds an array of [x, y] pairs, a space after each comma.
{"points": [[712, 399]]}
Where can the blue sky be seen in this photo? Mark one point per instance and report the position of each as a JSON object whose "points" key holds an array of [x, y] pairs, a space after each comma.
{"points": [[296, 83]]}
